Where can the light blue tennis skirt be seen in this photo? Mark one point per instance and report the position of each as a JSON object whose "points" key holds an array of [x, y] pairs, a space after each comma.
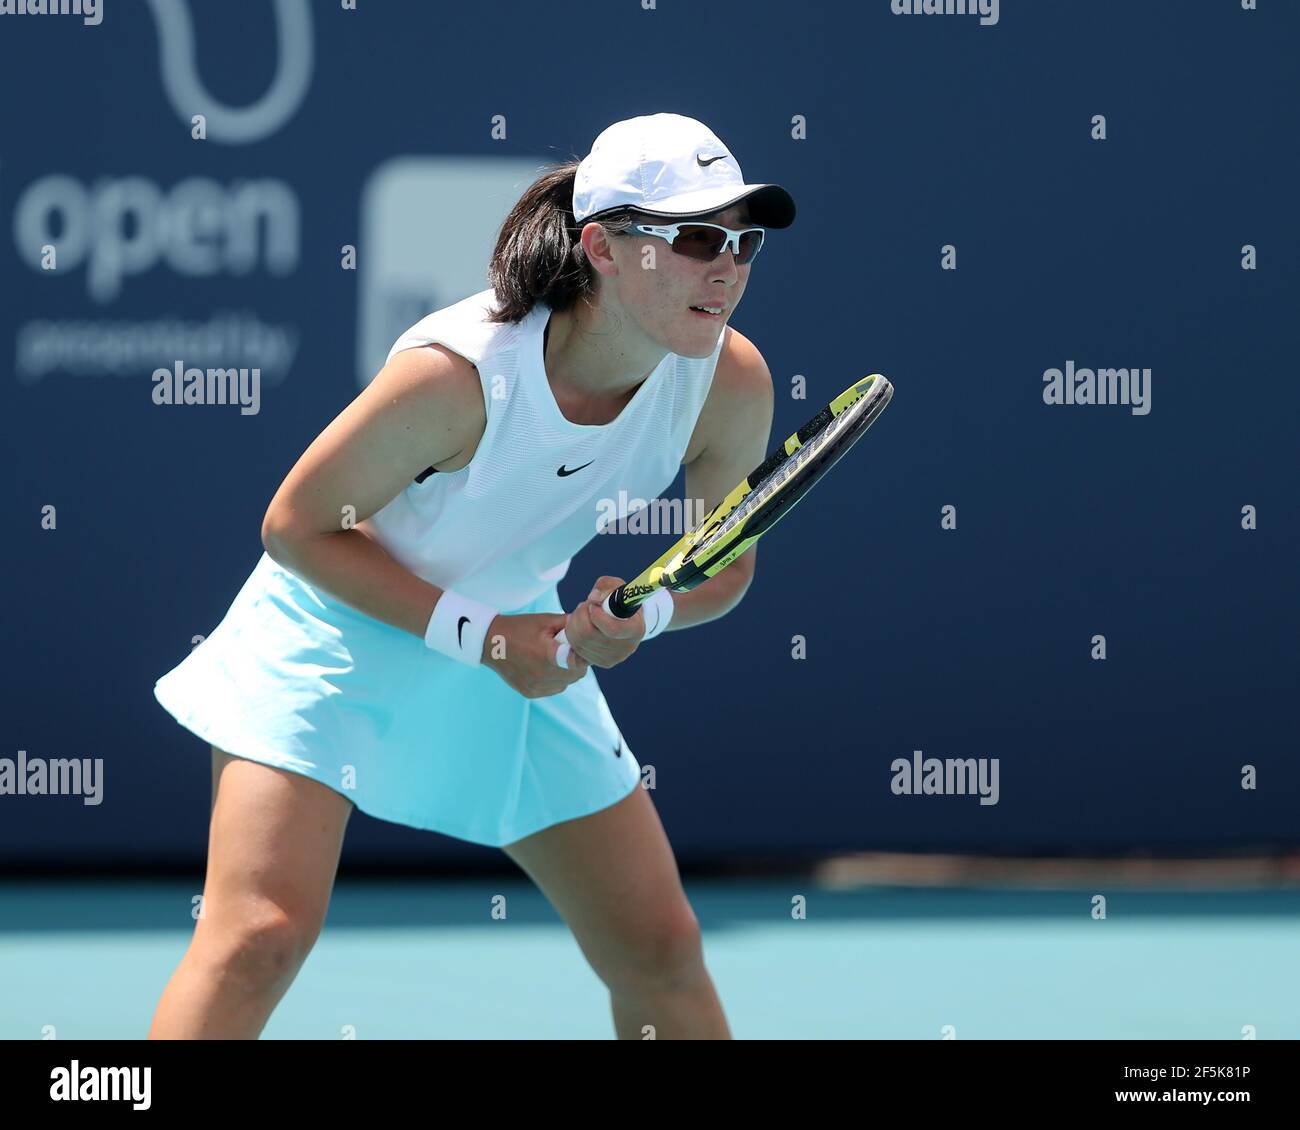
{"points": [[295, 678]]}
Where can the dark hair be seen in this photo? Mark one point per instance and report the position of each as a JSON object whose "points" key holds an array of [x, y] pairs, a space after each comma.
{"points": [[539, 255]]}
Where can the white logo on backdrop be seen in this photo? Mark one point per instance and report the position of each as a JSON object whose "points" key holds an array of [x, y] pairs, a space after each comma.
{"points": [[235, 125], [428, 227], [122, 226]]}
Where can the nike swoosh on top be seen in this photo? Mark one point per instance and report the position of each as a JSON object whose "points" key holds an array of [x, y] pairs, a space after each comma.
{"points": [[562, 472], [463, 621], [705, 164]]}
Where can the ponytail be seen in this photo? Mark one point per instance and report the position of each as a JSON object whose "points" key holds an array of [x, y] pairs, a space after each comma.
{"points": [[539, 255]]}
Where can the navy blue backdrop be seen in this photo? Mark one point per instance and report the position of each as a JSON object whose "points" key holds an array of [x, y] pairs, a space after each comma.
{"points": [[405, 131]]}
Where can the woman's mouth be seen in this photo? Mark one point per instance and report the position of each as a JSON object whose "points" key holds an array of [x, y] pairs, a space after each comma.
{"points": [[714, 312]]}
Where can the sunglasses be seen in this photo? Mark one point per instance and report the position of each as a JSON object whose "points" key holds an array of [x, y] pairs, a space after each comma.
{"points": [[706, 241]]}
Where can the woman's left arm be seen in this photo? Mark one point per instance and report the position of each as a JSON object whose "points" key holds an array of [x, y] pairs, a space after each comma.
{"points": [[739, 422], [733, 425]]}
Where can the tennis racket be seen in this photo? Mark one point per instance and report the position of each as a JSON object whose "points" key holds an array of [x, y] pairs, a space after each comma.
{"points": [[767, 494]]}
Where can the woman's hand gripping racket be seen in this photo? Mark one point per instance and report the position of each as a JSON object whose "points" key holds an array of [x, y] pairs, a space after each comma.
{"points": [[766, 495]]}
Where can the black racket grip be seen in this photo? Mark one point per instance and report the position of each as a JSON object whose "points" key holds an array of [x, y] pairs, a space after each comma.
{"points": [[619, 607]]}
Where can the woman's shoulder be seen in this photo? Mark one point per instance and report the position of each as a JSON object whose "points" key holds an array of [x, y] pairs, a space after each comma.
{"points": [[463, 326], [741, 386], [741, 376], [443, 397]]}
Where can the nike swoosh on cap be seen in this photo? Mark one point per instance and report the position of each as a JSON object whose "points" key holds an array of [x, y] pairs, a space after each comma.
{"points": [[705, 164]]}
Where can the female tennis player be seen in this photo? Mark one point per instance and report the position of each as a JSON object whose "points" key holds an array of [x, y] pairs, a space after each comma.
{"points": [[394, 649]]}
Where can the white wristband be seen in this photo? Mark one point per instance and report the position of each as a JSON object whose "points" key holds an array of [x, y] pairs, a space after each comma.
{"points": [[458, 627], [658, 611]]}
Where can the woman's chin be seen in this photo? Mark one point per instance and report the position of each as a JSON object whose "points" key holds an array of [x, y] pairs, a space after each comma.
{"points": [[701, 340]]}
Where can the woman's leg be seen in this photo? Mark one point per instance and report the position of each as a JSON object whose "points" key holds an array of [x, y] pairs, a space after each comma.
{"points": [[273, 851], [612, 877]]}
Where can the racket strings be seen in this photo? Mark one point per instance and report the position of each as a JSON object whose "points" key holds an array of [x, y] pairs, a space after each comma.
{"points": [[788, 468]]}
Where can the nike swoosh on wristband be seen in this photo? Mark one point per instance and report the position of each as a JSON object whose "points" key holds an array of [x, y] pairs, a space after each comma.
{"points": [[562, 472], [463, 621]]}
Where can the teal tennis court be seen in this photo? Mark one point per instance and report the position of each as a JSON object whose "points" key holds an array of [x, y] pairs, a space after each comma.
{"points": [[427, 959]]}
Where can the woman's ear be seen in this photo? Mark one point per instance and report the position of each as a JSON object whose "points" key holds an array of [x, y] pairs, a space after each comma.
{"points": [[597, 247]]}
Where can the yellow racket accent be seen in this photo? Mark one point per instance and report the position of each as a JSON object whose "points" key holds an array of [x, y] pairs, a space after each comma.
{"points": [[777, 484]]}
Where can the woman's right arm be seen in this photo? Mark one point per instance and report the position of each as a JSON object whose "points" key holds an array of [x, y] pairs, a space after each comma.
{"points": [[424, 407]]}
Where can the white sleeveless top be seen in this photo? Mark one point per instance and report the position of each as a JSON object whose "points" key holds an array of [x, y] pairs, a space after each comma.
{"points": [[504, 528]]}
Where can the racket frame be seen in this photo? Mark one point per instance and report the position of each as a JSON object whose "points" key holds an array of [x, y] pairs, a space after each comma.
{"points": [[709, 547]]}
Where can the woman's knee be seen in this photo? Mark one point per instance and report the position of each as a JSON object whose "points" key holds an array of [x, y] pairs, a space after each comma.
{"points": [[663, 951], [274, 845], [260, 946]]}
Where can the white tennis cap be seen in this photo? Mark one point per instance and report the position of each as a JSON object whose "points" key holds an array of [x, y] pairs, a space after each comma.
{"points": [[672, 166]]}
